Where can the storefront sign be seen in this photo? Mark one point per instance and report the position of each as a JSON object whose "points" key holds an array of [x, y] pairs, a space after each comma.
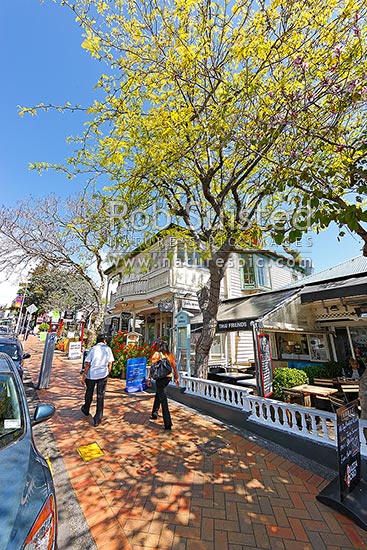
{"points": [[136, 374], [68, 315], [348, 448], [165, 307], [190, 304], [132, 338], [227, 326]]}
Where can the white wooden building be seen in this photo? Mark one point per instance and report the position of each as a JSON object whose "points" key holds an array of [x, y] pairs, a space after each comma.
{"points": [[152, 284]]}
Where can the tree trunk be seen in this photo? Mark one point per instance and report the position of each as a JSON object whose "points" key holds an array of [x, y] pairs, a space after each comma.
{"points": [[209, 301], [97, 322]]}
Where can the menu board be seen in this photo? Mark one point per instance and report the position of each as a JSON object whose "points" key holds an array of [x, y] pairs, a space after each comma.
{"points": [[265, 366], [348, 448]]}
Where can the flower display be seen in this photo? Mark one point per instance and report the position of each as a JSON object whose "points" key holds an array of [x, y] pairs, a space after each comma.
{"points": [[122, 352]]}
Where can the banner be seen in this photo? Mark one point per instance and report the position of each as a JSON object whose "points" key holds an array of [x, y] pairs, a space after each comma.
{"points": [[18, 302]]}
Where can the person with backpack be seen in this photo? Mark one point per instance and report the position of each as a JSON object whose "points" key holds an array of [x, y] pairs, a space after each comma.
{"points": [[161, 353]]}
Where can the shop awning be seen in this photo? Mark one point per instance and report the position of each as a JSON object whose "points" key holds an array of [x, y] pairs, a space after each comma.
{"points": [[239, 313], [334, 289]]}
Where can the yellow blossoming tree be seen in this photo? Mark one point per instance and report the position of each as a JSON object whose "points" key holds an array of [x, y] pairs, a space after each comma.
{"points": [[225, 108]]}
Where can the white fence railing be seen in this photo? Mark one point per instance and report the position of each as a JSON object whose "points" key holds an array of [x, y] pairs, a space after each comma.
{"points": [[226, 394], [306, 422]]}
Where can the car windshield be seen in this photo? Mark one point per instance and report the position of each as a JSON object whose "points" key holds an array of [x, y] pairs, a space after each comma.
{"points": [[11, 413], [10, 349]]}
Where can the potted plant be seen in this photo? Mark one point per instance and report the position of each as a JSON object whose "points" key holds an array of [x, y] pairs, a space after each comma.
{"points": [[43, 328]]}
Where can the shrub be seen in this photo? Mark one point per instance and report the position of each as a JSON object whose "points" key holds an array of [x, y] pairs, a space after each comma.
{"points": [[122, 353], [286, 378], [332, 369]]}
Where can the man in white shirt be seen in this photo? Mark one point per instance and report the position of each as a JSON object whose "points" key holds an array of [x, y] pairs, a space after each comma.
{"points": [[98, 363]]}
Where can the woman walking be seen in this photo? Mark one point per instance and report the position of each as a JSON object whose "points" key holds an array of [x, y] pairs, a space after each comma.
{"points": [[161, 350]]}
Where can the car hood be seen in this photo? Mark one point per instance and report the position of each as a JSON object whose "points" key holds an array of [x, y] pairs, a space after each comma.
{"points": [[24, 486]]}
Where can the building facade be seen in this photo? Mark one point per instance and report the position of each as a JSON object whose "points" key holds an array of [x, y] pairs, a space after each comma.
{"points": [[152, 285]]}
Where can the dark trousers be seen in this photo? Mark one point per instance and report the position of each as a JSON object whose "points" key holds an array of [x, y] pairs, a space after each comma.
{"points": [[101, 390], [161, 399]]}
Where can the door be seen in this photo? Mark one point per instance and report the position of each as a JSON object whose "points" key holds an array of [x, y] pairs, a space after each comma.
{"points": [[342, 347]]}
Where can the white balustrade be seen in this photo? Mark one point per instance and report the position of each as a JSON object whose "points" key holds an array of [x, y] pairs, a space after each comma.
{"points": [[310, 423], [146, 285], [306, 422], [227, 394]]}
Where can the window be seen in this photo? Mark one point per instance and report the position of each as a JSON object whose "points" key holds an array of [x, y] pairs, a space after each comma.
{"points": [[216, 348], [291, 345], [181, 257], [255, 272], [11, 415]]}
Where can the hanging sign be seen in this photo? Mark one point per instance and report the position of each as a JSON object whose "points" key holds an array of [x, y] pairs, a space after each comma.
{"points": [[55, 315], [68, 315]]}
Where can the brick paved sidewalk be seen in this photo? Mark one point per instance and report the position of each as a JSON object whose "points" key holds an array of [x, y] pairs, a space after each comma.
{"points": [[202, 486]]}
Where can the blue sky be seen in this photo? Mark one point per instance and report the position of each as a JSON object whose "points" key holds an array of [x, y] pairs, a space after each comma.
{"points": [[42, 61]]}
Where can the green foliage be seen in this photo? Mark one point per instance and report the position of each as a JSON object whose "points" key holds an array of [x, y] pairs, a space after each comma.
{"points": [[43, 327], [285, 377], [224, 108], [332, 369], [51, 287], [123, 352]]}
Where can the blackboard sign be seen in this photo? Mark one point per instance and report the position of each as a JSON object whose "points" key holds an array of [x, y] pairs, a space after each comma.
{"points": [[135, 374], [265, 366], [348, 448]]}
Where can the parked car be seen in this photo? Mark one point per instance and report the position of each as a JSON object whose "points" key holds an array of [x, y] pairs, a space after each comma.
{"points": [[12, 346], [28, 514]]}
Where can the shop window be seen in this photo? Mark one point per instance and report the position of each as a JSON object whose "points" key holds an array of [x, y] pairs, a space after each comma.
{"points": [[290, 345], [318, 348], [359, 339]]}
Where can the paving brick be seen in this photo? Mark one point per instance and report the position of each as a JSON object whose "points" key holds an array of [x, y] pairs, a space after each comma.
{"points": [[220, 540], [157, 491]]}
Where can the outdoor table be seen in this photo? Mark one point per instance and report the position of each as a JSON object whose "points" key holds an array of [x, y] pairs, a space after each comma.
{"points": [[310, 391], [232, 377], [248, 383]]}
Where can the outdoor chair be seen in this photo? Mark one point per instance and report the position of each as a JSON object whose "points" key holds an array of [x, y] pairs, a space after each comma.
{"points": [[336, 403], [297, 398], [293, 396], [324, 382], [349, 391]]}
